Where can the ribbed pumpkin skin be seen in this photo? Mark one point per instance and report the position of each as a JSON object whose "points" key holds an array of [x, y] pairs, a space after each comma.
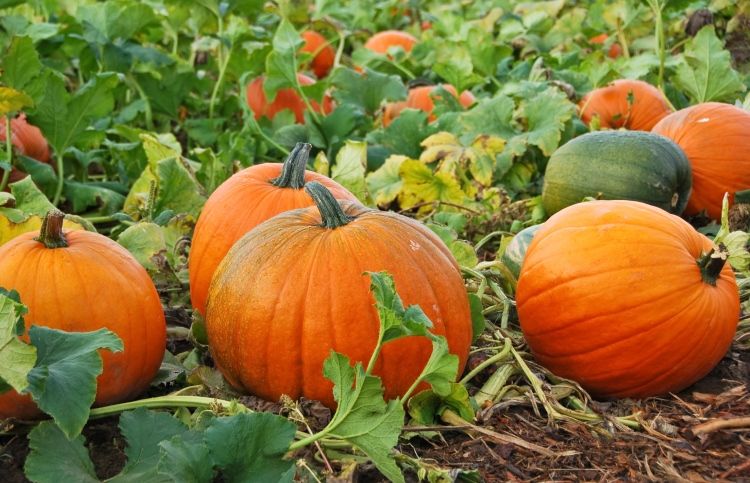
{"points": [[286, 98], [515, 252], [610, 295], [626, 165], [611, 104], [292, 290], [243, 201], [94, 283], [382, 41], [421, 98], [716, 139]]}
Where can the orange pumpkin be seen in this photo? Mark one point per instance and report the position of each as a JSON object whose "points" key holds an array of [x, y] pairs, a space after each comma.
{"points": [[382, 41], [81, 281], [294, 288], [421, 98], [245, 200], [716, 140], [286, 98], [614, 50], [631, 104], [624, 298], [322, 52], [27, 139]]}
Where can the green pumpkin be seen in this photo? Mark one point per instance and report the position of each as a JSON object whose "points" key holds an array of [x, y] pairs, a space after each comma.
{"points": [[618, 165], [516, 249]]}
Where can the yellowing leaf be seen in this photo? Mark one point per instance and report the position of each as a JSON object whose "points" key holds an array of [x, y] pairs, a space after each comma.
{"points": [[349, 170], [385, 183], [12, 100], [440, 139], [421, 185], [9, 229], [159, 148]]}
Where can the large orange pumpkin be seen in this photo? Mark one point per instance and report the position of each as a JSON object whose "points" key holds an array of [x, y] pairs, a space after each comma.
{"points": [[322, 52], [632, 104], [623, 298], [294, 288], [286, 98], [80, 281], [382, 41], [245, 200], [421, 98], [716, 140]]}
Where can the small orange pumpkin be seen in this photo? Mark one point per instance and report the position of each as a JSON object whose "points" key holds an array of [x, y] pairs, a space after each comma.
{"points": [[80, 281], [293, 289], [632, 104], [382, 41], [286, 98], [245, 200], [27, 139], [716, 140], [626, 299], [322, 52], [614, 50], [421, 98]]}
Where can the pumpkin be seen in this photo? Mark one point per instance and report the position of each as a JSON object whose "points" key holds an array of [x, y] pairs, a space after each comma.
{"points": [[382, 41], [81, 281], [631, 104], [626, 299], [245, 200], [614, 50], [716, 139], [293, 289], [322, 52], [286, 98], [421, 98], [628, 165], [28, 141], [515, 252]]}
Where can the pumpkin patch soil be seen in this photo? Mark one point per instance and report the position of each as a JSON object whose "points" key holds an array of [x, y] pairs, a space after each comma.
{"points": [[677, 449]]}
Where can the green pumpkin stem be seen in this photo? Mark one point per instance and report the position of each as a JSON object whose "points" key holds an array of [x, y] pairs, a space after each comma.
{"points": [[332, 214], [712, 262], [51, 234], [293, 171]]}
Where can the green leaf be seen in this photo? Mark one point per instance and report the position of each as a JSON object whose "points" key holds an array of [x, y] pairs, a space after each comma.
{"points": [[55, 458], [395, 320], [455, 66], [363, 418], [144, 241], [144, 430], [367, 90], [441, 368], [706, 72], [427, 406], [20, 63], [250, 447], [281, 63], [385, 183], [63, 380], [179, 189], [546, 115], [16, 357], [64, 119], [490, 116], [404, 134], [29, 198], [478, 322], [185, 461], [349, 170]]}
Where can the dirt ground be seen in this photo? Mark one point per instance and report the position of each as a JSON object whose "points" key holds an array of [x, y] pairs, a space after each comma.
{"points": [[688, 437]]}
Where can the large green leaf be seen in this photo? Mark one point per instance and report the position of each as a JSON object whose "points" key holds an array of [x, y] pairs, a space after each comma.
{"points": [[16, 358], [20, 63], [367, 90], [706, 73], [55, 458]]}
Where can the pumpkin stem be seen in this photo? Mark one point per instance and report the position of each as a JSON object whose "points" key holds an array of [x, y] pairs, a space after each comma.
{"points": [[293, 171], [51, 234], [330, 209], [712, 262]]}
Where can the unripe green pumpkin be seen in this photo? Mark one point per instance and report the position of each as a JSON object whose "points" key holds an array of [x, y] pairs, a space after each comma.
{"points": [[515, 252], [618, 165]]}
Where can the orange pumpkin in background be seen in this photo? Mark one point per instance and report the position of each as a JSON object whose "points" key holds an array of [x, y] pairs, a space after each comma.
{"points": [[322, 52], [382, 41], [716, 140], [632, 104], [242, 202], [286, 98], [28, 141], [614, 50], [294, 288], [625, 298], [421, 98], [81, 281]]}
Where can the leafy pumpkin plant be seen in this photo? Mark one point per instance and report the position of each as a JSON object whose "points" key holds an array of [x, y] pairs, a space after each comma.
{"points": [[293, 282], [245, 200], [628, 327], [85, 276]]}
